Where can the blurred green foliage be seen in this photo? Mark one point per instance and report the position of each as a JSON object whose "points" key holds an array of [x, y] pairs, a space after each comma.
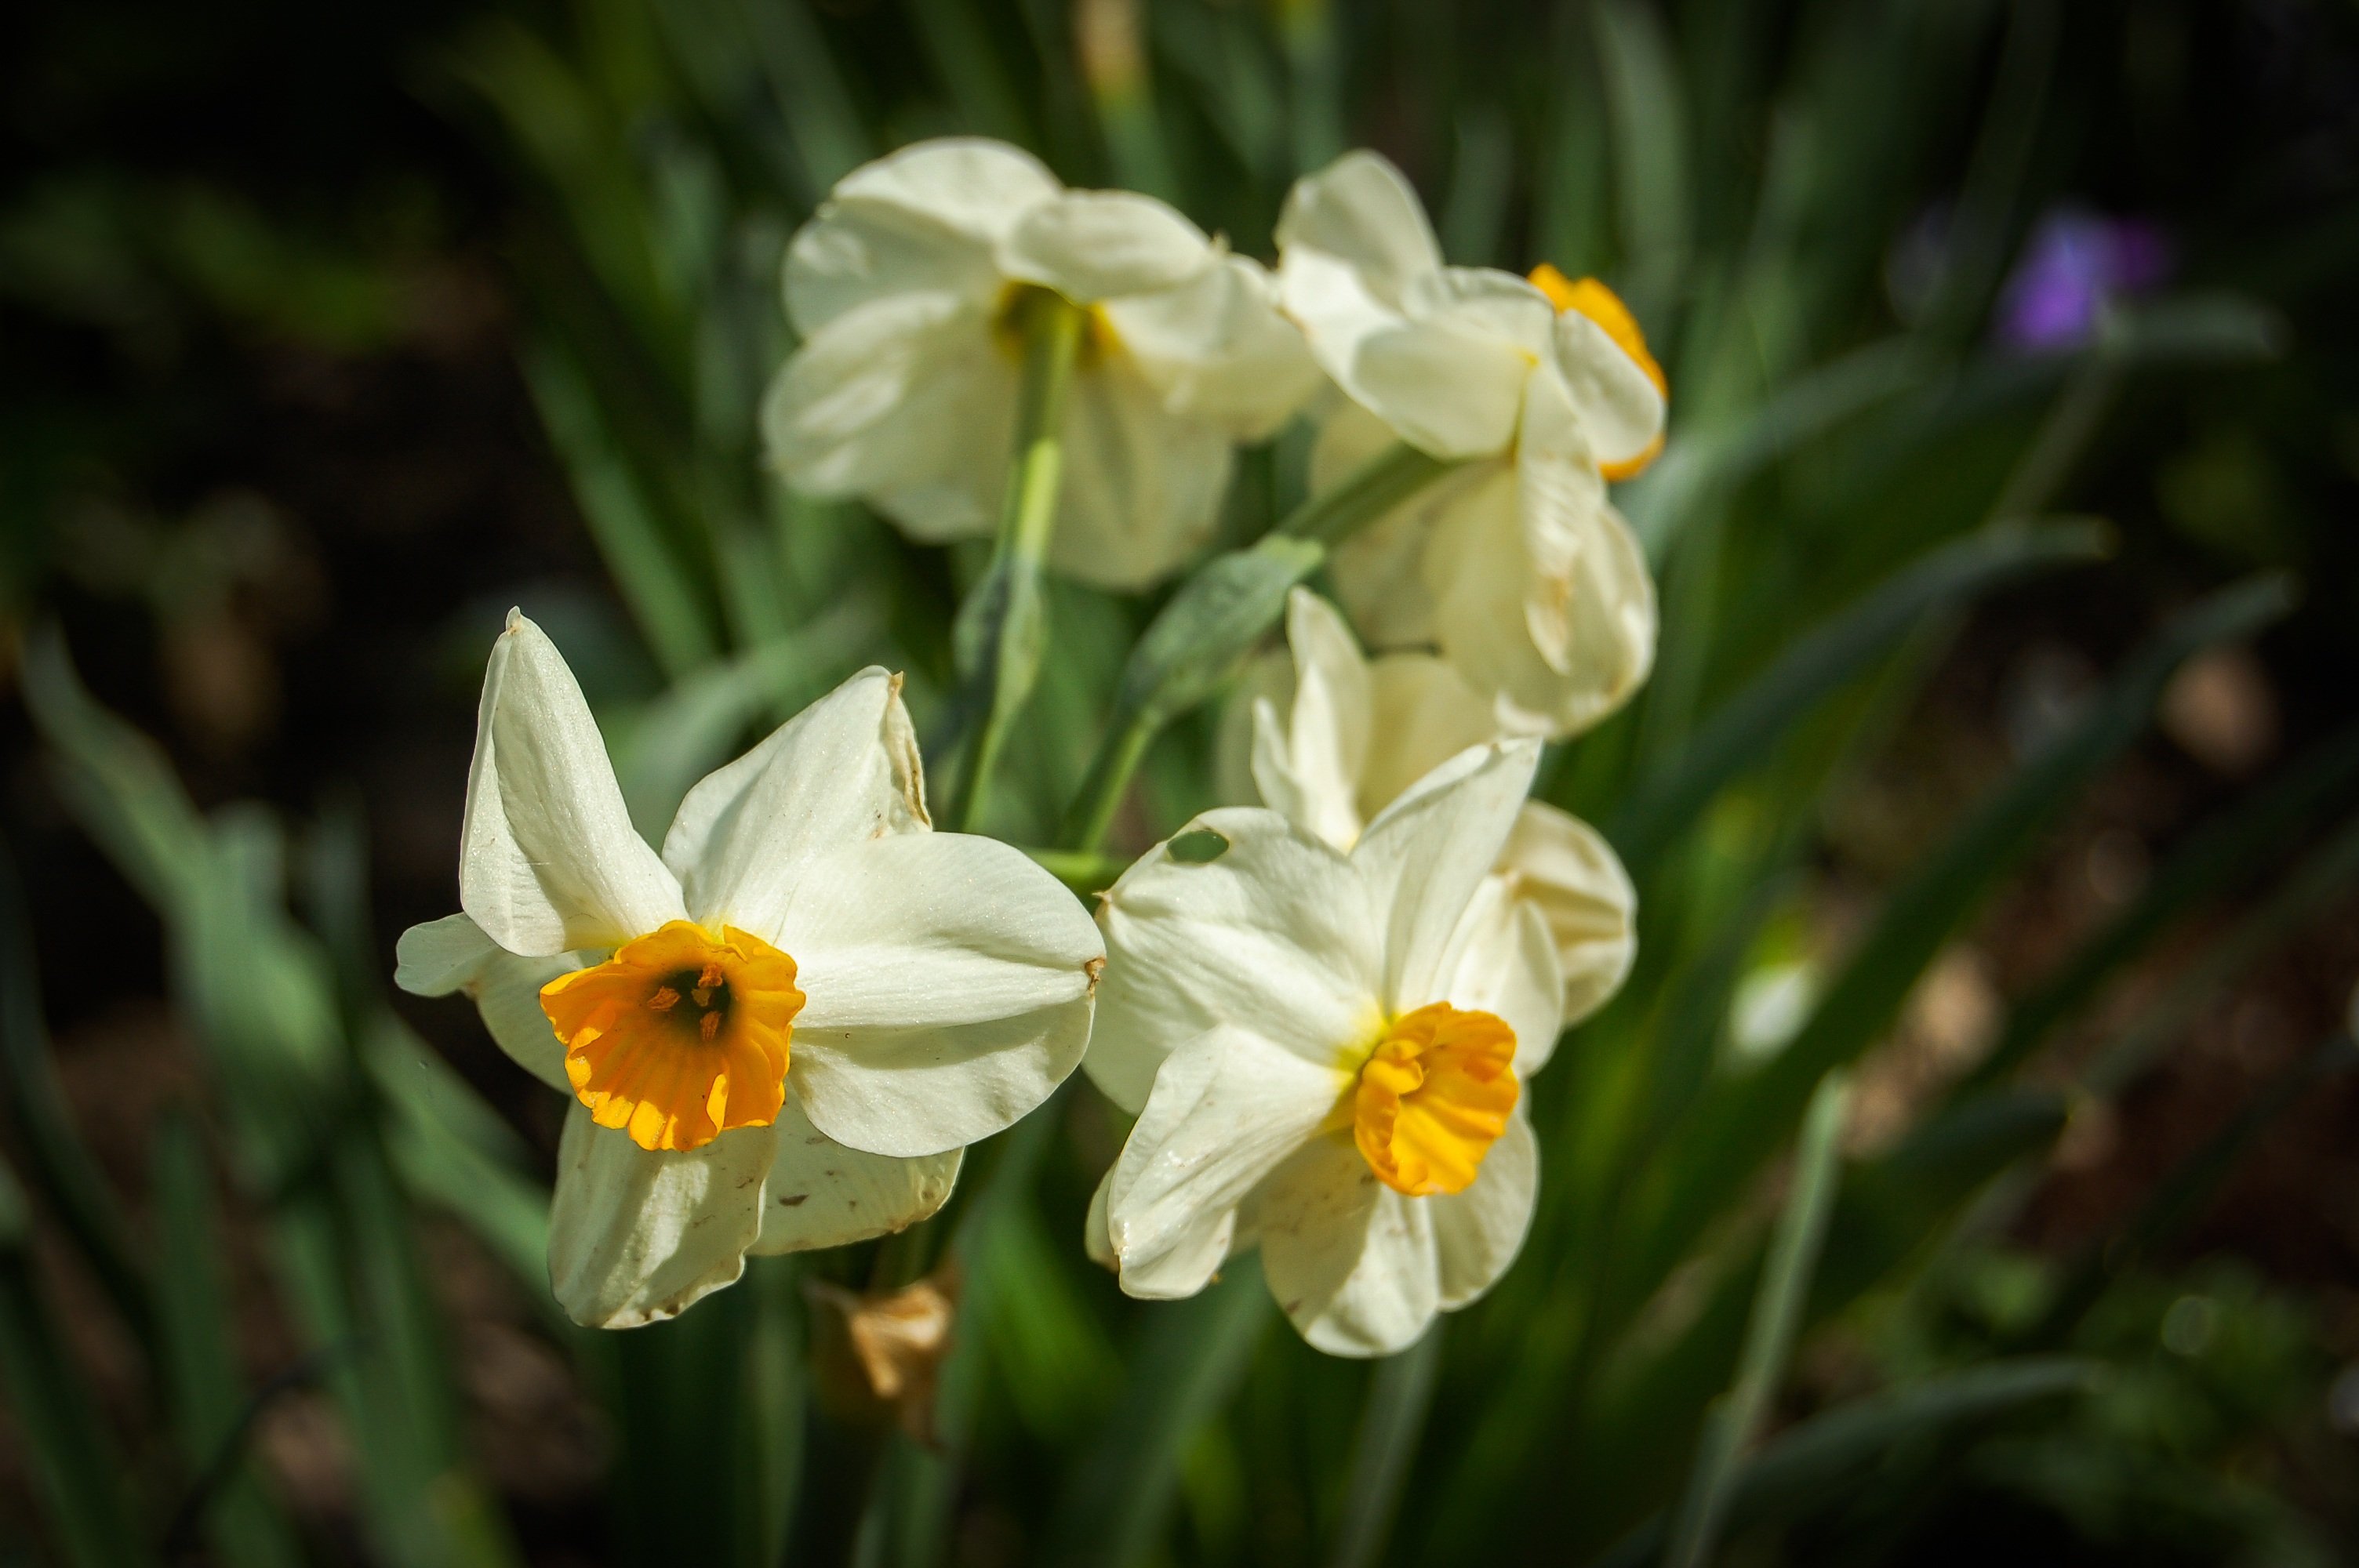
{"points": [[1815, 210]]}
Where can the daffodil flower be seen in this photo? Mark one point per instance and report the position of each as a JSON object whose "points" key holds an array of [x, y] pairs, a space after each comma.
{"points": [[778, 1033], [1326, 1057], [1336, 737], [908, 286], [1515, 566]]}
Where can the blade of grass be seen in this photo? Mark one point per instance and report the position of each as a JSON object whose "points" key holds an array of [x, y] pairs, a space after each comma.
{"points": [[1730, 1430]]}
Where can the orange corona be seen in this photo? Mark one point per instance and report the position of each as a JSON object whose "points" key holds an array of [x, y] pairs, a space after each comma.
{"points": [[1433, 1098], [680, 1035], [1602, 305]]}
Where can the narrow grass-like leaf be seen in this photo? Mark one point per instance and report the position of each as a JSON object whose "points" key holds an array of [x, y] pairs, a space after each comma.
{"points": [[1810, 1465], [1650, 140], [61, 1165], [1733, 1425], [2223, 851], [75, 1473], [207, 1385], [643, 563], [1737, 1125], [1400, 1392], [1116, 1499], [1742, 729]]}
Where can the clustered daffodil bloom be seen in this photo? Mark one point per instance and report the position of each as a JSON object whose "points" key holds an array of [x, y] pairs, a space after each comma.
{"points": [[1516, 566], [1336, 737], [781, 1032], [906, 288], [1326, 1051]]}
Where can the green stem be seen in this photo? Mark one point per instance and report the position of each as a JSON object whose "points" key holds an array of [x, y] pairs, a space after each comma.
{"points": [[1219, 614], [1003, 627], [1370, 490]]}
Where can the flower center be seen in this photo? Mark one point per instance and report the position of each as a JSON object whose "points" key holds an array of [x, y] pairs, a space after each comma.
{"points": [[1099, 339], [1433, 1097], [1604, 306], [680, 1035]]}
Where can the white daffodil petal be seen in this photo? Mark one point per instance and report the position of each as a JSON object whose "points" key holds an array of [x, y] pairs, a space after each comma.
{"points": [[1308, 765], [1490, 302], [841, 772], [1565, 870], [1478, 1232], [1426, 713], [907, 400], [548, 861], [931, 929], [453, 954], [854, 252], [821, 1193], [1216, 349], [1447, 386], [1142, 485], [1425, 855], [948, 985], [1621, 408], [1227, 1108], [1264, 927], [1268, 682], [1352, 1262], [1361, 211], [1095, 1240], [1594, 627], [968, 184], [636, 1236], [1503, 961], [1090, 246], [1379, 571]]}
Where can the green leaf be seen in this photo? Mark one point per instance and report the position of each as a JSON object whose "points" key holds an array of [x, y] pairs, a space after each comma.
{"points": [[1116, 1499], [1650, 140], [75, 1472], [1731, 1427], [1399, 1394]]}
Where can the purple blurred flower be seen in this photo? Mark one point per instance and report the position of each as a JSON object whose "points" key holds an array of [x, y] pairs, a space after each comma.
{"points": [[2074, 265]]}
